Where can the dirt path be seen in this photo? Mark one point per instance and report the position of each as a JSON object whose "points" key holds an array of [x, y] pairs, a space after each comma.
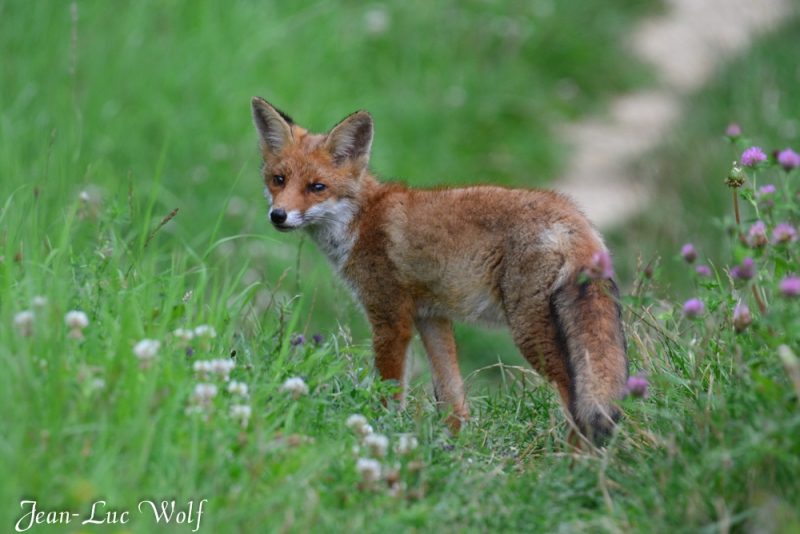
{"points": [[685, 46]]}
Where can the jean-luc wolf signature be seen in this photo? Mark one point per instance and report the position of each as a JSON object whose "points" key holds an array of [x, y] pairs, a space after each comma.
{"points": [[165, 511]]}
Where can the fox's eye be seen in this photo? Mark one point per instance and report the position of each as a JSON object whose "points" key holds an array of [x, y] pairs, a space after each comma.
{"points": [[278, 180], [317, 188]]}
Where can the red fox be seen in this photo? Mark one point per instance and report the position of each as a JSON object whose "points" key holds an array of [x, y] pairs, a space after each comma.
{"points": [[421, 258]]}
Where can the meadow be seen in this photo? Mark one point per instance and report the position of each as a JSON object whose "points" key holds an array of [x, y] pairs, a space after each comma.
{"points": [[214, 359]]}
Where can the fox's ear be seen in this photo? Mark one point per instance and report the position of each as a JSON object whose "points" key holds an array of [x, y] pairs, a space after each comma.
{"points": [[274, 128], [351, 140]]}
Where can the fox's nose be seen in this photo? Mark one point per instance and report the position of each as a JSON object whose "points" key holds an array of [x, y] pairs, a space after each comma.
{"points": [[278, 216]]}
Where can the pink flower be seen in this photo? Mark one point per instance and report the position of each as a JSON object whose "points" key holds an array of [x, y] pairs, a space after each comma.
{"points": [[790, 286], [741, 317], [693, 308], [753, 156], [734, 130], [789, 159], [600, 266], [758, 234], [637, 385], [764, 194], [703, 270], [784, 233], [689, 253], [745, 270]]}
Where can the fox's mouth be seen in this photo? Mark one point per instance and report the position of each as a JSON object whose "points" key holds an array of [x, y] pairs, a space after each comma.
{"points": [[284, 227]]}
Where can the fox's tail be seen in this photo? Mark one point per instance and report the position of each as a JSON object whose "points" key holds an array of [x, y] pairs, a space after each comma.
{"points": [[589, 324]]}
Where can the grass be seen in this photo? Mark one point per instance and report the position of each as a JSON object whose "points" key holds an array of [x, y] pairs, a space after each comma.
{"points": [[156, 118]]}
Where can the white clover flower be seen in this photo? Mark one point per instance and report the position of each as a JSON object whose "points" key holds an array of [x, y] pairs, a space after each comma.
{"points": [[77, 321], [24, 322], [223, 367], [296, 386], [405, 444], [97, 384], [184, 335], [377, 444], [84, 196], [356, 422], [146, 349], [369, 469], [365, 430], [203, 393], [237, 388], [241, 412], [39, 302], [205, 330], [202, 368]]}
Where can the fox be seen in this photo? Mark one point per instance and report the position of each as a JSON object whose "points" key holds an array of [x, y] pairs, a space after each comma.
{"points": [[418, 259]]}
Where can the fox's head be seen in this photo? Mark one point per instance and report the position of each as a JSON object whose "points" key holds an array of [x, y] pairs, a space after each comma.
{"points": [[310, 178]]}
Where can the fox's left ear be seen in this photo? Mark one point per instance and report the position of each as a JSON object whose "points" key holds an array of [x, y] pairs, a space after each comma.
{"points": [[350, 141]]}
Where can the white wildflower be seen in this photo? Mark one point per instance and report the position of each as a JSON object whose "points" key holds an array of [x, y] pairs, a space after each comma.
{"points": [[203, 393], [205, 330], [296, 386], [356, 422], [39, 302], [377, 20], [241, 412], [97, 384], [365, 430], [237, 388], [84, 196], [146, 349], [405, 444], [184, 335], [369, 469], [202, 368], [377, 444], [24, 322], [77, 321], [223, 367]]}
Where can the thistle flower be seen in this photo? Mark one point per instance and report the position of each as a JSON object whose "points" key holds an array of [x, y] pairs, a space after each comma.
{"points": [[377, 444], [753, 156], [206, 331], [296, 386], [146, 349], [741, 317], [790, 286], [24, 322], [77, 321], [689, 253], [369, 469], [703, 270], [693, 308], [637, 385], [297, 339], [600, 266], [237, 388], [745, 270], [758, 234], [733, 131], [405, 444], [242, 412], [784, 233], [789, 159], [183, 335]]}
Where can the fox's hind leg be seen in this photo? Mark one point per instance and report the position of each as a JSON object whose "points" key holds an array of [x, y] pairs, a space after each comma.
{"points": [[440, 347]]}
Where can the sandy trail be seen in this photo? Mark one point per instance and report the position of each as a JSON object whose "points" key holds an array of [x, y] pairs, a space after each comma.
{"points": [[685, 46]]}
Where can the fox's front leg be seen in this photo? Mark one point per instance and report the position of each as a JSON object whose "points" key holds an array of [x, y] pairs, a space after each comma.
{"points": [[391, 334]]}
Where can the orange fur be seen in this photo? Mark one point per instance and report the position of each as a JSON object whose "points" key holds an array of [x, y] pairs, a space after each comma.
{"points": [[421, 258]]}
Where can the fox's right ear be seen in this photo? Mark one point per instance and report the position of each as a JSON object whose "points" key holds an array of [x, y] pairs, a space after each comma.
{"points": [[274, 129]]}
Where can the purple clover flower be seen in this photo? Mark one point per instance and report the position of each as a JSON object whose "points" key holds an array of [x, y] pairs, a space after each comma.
{"points": [[745, 270], [753, 156], [784, 233], [693, 308], [637, 385], [741, 317], [766, 190], [297, 339], [703, 270], [734, 130], [789, 159], [318, 338], [758, 234], [600, 266], [764, 194], [689, 253], [790, 286]]}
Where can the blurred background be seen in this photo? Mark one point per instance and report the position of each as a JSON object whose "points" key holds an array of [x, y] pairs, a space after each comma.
{"points": [[151, 99]]}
